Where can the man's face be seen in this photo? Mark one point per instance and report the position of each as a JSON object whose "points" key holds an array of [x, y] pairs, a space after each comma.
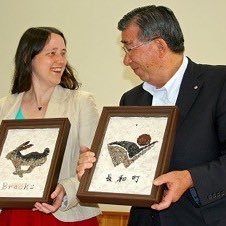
{"points": [[143, 57]]}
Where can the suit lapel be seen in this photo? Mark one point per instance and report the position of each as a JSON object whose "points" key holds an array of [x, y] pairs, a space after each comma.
{"points": [[145, 98], [189, 90], [139, 97], [57, 102]]}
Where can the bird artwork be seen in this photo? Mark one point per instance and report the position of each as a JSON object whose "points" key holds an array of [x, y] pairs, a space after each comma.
{"points": [[127, 152], [31, 160]]}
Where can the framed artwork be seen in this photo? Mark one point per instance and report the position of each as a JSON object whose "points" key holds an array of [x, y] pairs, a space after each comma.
{"points": [[31, 153], [133, 146]]}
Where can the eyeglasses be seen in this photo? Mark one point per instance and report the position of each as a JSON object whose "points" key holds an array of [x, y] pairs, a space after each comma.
{"points": [[128, 50]]}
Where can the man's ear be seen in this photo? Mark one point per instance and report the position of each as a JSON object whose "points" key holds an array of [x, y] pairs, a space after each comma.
{"points": [[161, 46]]}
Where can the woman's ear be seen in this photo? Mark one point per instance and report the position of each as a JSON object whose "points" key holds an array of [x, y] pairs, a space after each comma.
{"points": [[25, 59]]}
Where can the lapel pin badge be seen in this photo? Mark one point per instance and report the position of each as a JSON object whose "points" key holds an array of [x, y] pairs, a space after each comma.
{"points": [[196, 87]]}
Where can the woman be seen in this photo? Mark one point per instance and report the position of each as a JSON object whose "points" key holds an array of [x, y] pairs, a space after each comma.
{"points": [[44, 87]]}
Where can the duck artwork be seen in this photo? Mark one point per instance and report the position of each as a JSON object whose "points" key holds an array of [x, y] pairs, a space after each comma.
{"points": [[127, 152]]}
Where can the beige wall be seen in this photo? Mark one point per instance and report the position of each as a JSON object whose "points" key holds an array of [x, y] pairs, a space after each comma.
{"points": [[94, 42]]}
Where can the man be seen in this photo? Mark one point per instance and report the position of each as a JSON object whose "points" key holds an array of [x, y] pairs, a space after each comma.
{"points": [[196, 182]]}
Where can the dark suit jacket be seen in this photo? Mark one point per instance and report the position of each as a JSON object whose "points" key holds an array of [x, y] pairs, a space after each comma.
{"points": [[200, 147]]}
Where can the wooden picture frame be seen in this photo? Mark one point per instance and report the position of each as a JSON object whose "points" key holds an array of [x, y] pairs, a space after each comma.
{"points": [[133, 146], [31, 153]]}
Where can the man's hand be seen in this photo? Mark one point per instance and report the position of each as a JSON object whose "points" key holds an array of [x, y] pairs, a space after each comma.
{"points": [[86, 160], [177, 182], [57, 197]]}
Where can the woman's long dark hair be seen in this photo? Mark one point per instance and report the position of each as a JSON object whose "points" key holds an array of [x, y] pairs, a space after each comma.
{"points": [[31, 43]]}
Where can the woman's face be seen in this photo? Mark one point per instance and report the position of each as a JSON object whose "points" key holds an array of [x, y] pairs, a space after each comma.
{"points": [[49, 65]]}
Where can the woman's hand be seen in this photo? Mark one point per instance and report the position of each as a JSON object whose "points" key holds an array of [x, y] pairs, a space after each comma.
{"points": [[86, 160], [57, 197]]}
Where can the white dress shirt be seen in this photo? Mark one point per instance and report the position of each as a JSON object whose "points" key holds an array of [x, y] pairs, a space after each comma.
{"points": [[167, 95]]}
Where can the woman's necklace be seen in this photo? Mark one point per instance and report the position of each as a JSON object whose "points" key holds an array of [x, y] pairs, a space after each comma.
{"points": [[42, 106]]}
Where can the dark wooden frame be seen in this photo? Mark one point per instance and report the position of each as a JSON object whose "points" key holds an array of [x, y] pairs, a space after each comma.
{"points": [[171, 112], [64, 126]]}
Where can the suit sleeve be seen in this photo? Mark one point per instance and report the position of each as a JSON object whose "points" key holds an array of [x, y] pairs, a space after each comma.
{"points": [[122, 100], [210, 178], [88, 119]]}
